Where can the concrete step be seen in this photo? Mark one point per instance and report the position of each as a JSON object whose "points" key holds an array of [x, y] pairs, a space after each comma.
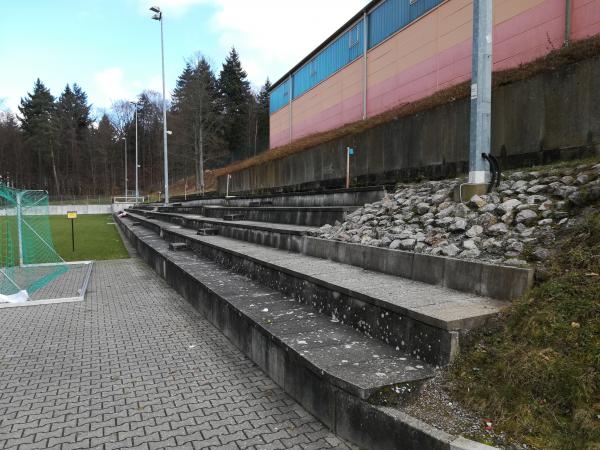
{"points": [[178, 246], [282, 236], [207, 231], [324, 197], [299, 348], [422, 319], [314, 216]]}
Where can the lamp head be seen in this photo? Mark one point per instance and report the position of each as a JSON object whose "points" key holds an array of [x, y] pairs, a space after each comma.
{"points": [[157, 16]]}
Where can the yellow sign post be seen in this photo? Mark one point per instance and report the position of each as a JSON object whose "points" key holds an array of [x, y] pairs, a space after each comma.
{"points": [[72, 215]]}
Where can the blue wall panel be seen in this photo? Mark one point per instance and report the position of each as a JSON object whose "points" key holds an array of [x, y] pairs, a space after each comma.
{"points": [[332, 58], [279, 97]]}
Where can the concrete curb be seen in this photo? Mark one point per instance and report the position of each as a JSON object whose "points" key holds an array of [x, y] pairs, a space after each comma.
{"points": [[366, 425]]}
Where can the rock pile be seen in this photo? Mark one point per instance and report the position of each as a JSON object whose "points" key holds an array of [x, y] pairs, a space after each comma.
{"points": [[515, 223]]}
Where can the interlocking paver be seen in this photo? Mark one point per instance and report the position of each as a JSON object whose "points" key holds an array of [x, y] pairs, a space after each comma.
{"points": [[136, 365]]}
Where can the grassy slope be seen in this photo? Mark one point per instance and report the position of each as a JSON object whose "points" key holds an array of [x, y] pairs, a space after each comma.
{"points": [[94, 238], [536, 373]]}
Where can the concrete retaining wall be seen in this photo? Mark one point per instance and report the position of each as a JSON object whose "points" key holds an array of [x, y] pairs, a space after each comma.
{"points": [[547, 117]]}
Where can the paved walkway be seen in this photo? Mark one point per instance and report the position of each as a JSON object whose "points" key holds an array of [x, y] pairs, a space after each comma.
{"points": [[134, 366]]}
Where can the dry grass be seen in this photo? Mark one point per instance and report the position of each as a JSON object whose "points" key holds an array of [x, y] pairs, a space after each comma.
{"points": [[578, 51], [536, 373]]}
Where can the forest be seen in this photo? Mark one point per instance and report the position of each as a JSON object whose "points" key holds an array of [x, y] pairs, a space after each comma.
{"points": [[60, 144]]}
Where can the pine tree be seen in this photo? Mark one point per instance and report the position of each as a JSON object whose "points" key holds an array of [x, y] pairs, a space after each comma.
{"points": [[262, 100], [70, 149], [235, 95], [37, 110], [195, 117]]}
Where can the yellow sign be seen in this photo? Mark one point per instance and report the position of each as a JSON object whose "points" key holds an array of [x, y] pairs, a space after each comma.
{"points": [[71, 214]]}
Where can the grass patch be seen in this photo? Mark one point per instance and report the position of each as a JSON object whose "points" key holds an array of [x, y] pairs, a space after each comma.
{"points": [[536, 371], [94, 238]]}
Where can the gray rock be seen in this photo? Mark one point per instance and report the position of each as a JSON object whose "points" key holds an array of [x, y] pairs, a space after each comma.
{"points": [[567, 180], [423, 208], [408, 244], [527, 216], [477, 202], [450, 250], [459, 225], [545, 222], [578, 198], [474, 231], [469, 244], [498, 229], [536, 189], [470, 254], [461, 210], [509, 205], [486, 220], [582, 179], [395, 244], [541, 254], [515, 262]]}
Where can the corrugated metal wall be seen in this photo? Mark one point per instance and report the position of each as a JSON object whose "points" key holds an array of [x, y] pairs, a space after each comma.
{"points": [[386, 19], [280, 96], [393, 15]]}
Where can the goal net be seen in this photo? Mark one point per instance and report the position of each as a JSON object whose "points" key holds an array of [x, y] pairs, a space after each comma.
{"points": [[28, 260]]}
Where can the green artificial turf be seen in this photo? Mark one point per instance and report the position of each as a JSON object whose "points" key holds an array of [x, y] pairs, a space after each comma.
{"points": [[96, 238]]}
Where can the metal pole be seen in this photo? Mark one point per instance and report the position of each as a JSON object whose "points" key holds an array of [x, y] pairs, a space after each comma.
{"points": [[481, 91], [166, 156], [365, 50], [568, 14], [137, 188], [20, 225], [347, 167], [290, 94], [126, 168]]}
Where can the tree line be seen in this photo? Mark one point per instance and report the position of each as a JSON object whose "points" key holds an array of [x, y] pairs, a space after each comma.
{"points": [[58, 145]]}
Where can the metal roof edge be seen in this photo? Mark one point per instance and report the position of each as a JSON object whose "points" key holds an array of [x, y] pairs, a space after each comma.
{"points": [[327, 41]]}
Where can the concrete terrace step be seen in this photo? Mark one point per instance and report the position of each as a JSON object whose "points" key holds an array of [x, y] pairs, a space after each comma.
{"points": [[283, 336], [423, 319], [314, 216], [283, 236]]}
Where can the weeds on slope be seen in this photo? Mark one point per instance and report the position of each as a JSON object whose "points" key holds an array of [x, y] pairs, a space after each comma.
{"points": [[536, 372]]}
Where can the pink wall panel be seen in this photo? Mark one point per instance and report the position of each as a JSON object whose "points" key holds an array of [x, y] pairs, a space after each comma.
{"points": [[586, 18]]}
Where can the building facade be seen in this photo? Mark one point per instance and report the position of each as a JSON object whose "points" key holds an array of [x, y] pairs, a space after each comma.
{"points": [[398, 51]]}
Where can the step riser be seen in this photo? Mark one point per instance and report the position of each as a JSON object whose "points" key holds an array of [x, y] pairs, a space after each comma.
{"points": [[358, 197], [307, 218], [430, 344], [299, 217], [282, 241], [363, 424]]}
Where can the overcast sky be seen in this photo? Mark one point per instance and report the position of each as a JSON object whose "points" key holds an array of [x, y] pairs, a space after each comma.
{"points": [[111, 48]]}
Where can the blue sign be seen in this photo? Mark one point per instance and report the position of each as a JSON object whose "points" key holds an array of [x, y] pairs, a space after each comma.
{"points": [[350, 151]]}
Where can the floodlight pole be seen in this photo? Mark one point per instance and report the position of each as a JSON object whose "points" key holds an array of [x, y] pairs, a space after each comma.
{"points": [[481, 91], [137, 187], [159, 16], [125, 139]]}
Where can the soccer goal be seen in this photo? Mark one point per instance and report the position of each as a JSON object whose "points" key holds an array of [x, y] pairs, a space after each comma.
{"points": [[30, 266]]}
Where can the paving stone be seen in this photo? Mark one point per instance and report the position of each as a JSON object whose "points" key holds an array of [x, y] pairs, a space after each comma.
{"points": [[117, 370]]}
